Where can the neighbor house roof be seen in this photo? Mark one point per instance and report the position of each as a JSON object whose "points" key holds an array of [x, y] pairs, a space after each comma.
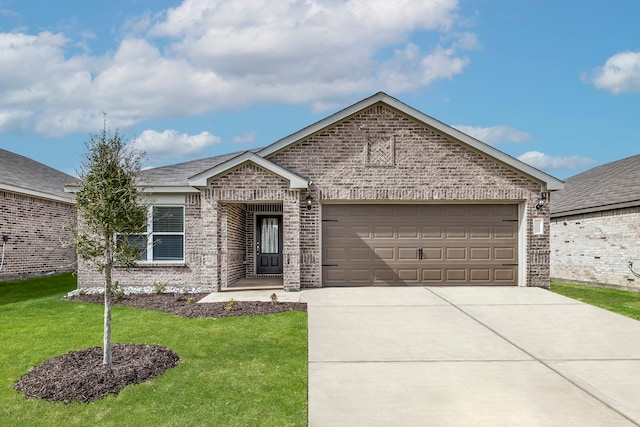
{"points": [[22, 175], [613, 185]]}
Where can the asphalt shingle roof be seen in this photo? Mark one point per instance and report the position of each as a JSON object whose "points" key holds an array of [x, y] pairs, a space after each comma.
{"points": [[178, 174], [601, 187], [22, 172]]}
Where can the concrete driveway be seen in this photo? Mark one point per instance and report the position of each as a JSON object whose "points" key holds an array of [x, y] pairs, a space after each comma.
{"points": [[462, 356]]}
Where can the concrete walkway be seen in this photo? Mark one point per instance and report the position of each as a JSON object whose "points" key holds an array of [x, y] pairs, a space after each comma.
{"points": [[462, 356]]}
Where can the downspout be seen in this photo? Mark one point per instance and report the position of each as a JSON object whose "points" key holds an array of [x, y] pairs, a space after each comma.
{"points": [[5, 238]]}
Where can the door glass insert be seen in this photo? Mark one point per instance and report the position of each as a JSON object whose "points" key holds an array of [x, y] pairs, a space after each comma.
{"points": [[269, 236]]}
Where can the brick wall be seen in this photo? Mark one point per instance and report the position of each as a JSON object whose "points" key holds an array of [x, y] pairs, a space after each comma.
{"points": [[37, 229], [376, 155], [234, 228], [187, 274], [251, 184], [596, 248], [381, 155]]}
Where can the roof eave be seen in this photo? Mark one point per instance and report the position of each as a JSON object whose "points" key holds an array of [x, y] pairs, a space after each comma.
{"points": [[38, 194], [593, 209]]}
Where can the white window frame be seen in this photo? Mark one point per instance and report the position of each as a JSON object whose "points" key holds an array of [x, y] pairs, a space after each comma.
{"points": [[150, 235]]}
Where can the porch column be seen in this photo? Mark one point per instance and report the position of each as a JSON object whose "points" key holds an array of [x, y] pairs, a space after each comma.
{"points": [[291, 244], [210, 244]]}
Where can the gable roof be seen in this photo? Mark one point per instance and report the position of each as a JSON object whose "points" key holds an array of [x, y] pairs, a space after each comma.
{"points": [[549, 183], [22, 175], [610, 186], [184, 177], [295, 181]]}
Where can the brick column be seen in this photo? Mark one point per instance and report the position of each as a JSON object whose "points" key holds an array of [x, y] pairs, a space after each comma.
{"points": [[291, 244], [210, 243]]}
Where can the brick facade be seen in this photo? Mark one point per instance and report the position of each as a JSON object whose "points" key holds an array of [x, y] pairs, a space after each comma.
{"points": [[37, 230], [376, 155], [186, 274], [596, 248], [423, 166]]}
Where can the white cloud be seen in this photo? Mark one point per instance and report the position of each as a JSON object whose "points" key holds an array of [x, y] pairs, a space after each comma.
{"points": [[172, 144], [495, 134], [544, 161], [245, 138], [204, 56], [620, 74]]}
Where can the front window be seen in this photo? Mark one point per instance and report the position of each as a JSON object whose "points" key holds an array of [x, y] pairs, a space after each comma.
{"points": [[164, 239], [167, 234]]}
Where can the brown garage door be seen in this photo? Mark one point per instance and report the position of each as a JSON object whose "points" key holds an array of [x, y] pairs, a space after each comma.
{"points": [[419, 245]]}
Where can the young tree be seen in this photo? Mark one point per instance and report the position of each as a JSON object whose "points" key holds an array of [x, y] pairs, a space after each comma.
{"points": [[110, 209]]}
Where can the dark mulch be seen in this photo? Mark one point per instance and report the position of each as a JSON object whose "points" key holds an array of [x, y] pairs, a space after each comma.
{"points": [[186, 305], [81, 376]]}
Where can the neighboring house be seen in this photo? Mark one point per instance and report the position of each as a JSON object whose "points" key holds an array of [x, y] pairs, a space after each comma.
{"points": [[376, 194], [595, 226], [35, 215]]}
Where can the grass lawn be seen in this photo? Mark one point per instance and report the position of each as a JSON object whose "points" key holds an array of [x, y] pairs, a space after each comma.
{"points": [[622, 302], [237, 371]]}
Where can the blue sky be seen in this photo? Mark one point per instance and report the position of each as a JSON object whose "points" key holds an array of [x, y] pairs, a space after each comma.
{"points": [[556, 84]]}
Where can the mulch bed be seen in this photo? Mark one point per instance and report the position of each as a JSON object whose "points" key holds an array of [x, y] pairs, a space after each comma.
{"points": [[182, 305], [80, 375]]}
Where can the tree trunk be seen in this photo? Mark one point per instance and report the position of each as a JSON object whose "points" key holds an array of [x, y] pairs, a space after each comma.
{"points": [[106, 358]]}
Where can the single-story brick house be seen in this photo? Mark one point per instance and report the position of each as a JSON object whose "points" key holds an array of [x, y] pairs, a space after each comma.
{"points": [[595, 226], [35, 215], [376, 194]]}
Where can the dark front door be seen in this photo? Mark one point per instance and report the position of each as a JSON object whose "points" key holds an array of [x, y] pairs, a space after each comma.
{"points": [[268, 244]]}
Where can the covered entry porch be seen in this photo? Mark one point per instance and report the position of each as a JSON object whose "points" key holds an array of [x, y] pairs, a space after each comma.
{"points": [[253, 251]]}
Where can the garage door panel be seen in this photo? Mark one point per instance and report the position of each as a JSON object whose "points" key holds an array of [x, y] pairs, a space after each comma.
{"points": [[335, 232], [384, 275], [456, 253], [505, 232], [360, 275], [432, 275], [505, 274], [408, 275], [481, 211], [360, 232], [432, 232], [359, 254], [383, 233], [408, 232], [480, 274], [385, 254], [457, 232], [455, 210], [333, 275], [334, 254], [505, 254], [480, 253], [458, 275], [506, 211], [380, 244], [407, 254], [433, 254]]}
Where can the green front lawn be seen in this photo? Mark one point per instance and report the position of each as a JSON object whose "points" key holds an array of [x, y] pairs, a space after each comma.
{"points": [[236, 371], [621, 302]]}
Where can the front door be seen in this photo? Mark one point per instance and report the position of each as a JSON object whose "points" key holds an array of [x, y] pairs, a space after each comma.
{"points": [[268, 244]]}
